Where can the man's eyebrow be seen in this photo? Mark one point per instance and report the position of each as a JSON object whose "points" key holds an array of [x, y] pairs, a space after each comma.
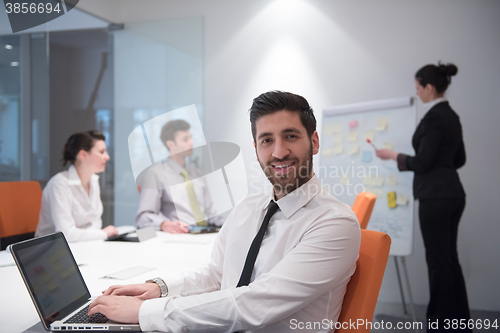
{"points": [[291, 130], [284, 131], [261, 135]]}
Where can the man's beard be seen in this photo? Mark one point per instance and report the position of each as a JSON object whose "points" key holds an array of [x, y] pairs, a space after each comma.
{"points": [[293, 179]]}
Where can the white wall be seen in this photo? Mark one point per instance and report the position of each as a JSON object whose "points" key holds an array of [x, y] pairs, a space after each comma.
{"points": [[337, 52]]}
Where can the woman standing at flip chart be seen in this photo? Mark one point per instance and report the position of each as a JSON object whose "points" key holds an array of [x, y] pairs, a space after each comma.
{"points": [[71, 201], [440, 151]]}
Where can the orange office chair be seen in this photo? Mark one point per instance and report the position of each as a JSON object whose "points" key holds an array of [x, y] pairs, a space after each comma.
{"points": [[363, 207], [20, 204], [363, 288]]}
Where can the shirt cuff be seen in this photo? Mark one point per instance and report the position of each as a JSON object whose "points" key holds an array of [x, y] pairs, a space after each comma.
{"points": [[174, 284], [151, 315], [156, 223], [151, 220], [402, 162]]}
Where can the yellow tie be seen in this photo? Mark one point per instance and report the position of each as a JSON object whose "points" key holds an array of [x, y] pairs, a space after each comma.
{"points": [[193, 201]]}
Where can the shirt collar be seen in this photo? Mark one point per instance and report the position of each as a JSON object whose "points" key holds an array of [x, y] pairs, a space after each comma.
{"points": [[430, 105], [297, 199], [176, 167], [74, 179]]}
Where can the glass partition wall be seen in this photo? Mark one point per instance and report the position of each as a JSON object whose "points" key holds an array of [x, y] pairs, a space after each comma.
{"points": [[113, 78]]}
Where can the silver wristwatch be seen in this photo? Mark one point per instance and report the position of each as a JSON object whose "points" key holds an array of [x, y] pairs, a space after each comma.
{"points": [[161, 284]]}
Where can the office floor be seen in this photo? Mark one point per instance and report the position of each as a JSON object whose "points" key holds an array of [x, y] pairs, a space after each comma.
{"points": [[393, 313]]}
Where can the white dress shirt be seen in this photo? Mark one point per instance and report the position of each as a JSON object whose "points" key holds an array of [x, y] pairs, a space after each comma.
{"points": [[301, 273], [430, 105], [68, 208], [156, 204]]}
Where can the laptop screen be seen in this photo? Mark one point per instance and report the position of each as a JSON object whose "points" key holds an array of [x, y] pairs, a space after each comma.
{"points": [[52, 276]]}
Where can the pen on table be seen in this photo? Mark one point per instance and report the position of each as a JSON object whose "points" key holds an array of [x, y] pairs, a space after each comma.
{"points": [[369, 141]]}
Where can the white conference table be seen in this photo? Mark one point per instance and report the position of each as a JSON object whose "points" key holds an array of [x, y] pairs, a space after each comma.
{"points": [[166, 254]]}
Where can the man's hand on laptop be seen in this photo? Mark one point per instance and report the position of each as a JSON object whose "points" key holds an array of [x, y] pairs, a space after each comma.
{"points": [[122, 309], [174, 227], [142, 291]]}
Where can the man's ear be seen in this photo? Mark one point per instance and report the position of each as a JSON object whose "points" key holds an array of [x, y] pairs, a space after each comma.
{"points": [[169, 144], [315, 143]]}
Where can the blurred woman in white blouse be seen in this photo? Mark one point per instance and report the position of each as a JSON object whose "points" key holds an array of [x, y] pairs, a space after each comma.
{"points": [[71, 201]]}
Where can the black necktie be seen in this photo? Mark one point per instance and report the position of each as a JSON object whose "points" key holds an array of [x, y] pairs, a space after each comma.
{"points": [[246, 274]]}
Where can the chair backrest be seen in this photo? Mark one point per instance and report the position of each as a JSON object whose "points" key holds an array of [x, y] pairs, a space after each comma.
{"points": [[20, 204], [363, 288], [363, 207]]}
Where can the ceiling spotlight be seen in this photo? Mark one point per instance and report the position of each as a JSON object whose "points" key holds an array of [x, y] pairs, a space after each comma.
{"points": [[14, 64], [8, 47]]}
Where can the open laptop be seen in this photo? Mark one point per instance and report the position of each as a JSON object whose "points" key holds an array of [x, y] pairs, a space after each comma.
{"points": [[57, 288]]}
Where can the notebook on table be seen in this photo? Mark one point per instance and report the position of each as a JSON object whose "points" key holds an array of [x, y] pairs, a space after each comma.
{"points": [[133, 235], [206, 229], [57, 288]]}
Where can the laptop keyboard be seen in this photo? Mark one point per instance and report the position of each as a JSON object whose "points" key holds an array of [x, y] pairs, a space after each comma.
{"points": [[83, 317]]}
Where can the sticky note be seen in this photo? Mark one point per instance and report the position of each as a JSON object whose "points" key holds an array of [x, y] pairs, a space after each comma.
{"points": [[353, 124], [344, 180], [53, 258], [366, 157], [373, 181], [52, 286], [45, 277], [337, 138], [391, 199], [58, 266], [382, 124], [326, 188], [328, 129], [377, 191], [338, 150], [353, 136], [64, 275], [337, 127], [392, 180], [402, 199], [353, 149], [370, 135], [387, 145], [327, 152]]}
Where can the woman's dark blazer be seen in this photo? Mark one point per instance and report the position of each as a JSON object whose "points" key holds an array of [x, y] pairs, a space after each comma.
{"points": [[440, 152]]}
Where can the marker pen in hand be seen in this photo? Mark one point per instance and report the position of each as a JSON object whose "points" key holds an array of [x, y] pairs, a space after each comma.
{"points": [[369, 141]]}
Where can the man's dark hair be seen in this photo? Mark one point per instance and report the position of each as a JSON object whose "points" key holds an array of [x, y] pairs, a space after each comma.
{"points": [[274, 101], [169, 129]]}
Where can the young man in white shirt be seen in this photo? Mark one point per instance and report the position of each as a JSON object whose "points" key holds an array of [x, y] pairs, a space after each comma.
{"points": [[305, 260], [157, 207]]}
